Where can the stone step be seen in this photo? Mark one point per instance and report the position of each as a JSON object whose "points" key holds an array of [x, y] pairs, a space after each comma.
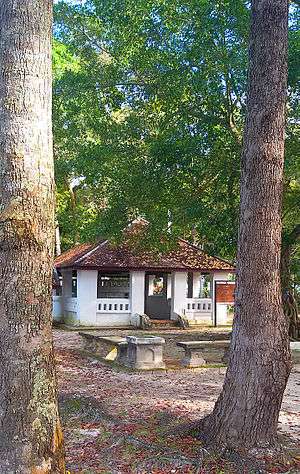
{"points": [[164, 324]]}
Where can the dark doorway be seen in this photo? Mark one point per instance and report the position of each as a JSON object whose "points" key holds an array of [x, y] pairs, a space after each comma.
{"points": [[157, 305]]}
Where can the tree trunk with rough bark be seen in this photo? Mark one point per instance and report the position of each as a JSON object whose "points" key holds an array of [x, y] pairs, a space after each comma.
{"points": [[30, 432], [246, 413]]}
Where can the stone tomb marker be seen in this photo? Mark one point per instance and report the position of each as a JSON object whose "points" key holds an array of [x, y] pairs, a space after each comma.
{"points": [[195, 351], [145, 353], [122, 350], [104, 346]]}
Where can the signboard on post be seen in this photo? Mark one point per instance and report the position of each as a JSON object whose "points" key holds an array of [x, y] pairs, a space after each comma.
{"points": [[225, 292], [223, 298]]}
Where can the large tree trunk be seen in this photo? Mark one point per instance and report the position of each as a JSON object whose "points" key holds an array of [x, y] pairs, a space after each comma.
{"points": [[30, 433], [246, 413]]}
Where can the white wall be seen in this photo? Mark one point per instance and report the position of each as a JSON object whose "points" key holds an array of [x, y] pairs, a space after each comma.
{"points": [[179, 286], [137, 292], [87, 296], [198, 319], [112, 319], [137, 296], [57, 307], [222, 309]]}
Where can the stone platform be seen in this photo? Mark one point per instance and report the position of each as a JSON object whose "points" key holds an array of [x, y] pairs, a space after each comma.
{"points": [[145, 353], [104, 346]]}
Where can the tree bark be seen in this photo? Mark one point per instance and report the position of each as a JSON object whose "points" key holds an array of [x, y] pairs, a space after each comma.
{"points": [[246, 413], [30, 432]]}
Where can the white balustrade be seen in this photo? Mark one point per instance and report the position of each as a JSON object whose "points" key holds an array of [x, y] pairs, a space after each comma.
{"points": [[113, 305], [196, 305]]}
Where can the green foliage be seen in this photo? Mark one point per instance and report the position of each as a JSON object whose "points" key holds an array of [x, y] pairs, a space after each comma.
{"points": [[149, 105]]}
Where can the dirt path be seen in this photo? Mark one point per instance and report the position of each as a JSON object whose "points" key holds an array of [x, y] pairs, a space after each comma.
{"points": [[118, 422]]}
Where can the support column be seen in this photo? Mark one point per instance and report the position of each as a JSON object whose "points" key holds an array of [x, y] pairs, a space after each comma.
{"points": [[66, 293], [66, 289], [87, 297], [219, 311], [179, 289], [137, 292], [196, 284], [169, 286]]}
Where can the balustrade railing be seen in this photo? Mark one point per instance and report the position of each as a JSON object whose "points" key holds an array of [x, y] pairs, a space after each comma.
{"points": [[113, 305], [195, 305]]}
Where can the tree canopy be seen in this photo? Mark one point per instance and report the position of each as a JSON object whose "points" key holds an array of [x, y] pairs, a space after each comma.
{"points": [[149, 106]]}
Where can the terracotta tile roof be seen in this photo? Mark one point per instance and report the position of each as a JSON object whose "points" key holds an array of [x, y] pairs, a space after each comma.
{"points": [[107, 257], [67, 258]]}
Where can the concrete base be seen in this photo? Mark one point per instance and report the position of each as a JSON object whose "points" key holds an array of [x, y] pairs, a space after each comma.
{"points": [[104, 346], [122, 351], [145, 353], [192, 358], [195, 351]]}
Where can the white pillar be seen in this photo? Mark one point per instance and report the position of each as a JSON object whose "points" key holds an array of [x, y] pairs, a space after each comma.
{"points": [[219, 311], [87, 296], [66, 292], [66, 283], [196, 284], [137, 292], [169, 286], [179, 287]]}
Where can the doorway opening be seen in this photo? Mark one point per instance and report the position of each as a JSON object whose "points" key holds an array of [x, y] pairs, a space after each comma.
{"points": [[157, 295]]}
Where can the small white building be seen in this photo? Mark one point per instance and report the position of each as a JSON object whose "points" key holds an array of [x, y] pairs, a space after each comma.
{"points": [[102, 285]]}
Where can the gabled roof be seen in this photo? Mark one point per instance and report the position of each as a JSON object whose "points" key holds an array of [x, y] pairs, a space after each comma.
{"points": [[68, 258], [108, 257]]}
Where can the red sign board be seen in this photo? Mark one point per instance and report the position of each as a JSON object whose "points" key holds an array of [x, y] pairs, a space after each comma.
{"points": [[225, 292]]}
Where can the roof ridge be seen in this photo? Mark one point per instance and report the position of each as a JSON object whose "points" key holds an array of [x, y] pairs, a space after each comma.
{"points": [[90, 252], [69, 251]]}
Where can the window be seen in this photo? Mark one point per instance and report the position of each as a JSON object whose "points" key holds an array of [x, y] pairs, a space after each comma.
{"points": [[205, 289], [74, 284], [156, 285], [190, 285], [113, 285]]}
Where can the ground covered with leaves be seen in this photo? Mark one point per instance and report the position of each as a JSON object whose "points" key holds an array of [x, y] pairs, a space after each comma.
{"points": [[117, 421]]}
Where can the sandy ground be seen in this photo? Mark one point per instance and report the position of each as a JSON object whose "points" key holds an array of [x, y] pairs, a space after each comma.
{"points": [[120, 422]]}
